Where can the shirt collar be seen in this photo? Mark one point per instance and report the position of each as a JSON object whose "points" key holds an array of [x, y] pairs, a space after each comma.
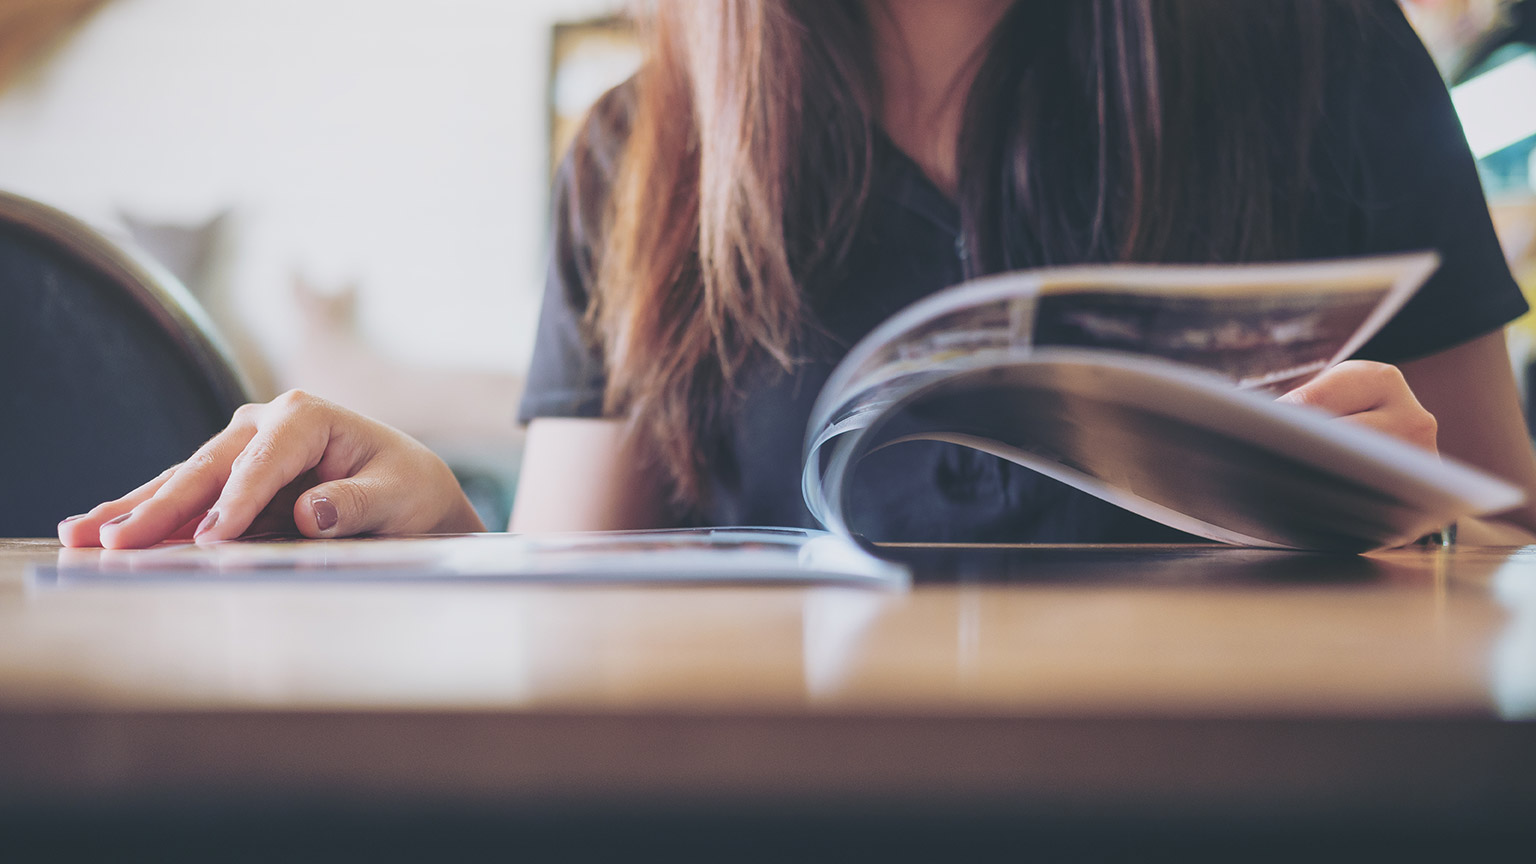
{"points": [[903, 182]]}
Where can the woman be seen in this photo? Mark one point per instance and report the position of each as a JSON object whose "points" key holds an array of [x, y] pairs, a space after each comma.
{"points": [[784, 174]]}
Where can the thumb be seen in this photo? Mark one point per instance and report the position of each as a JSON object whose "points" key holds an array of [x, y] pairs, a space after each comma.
{"points": [[343, 508]]}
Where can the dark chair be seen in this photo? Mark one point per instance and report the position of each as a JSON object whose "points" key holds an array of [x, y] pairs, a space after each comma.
{"points": [[109, 371]]}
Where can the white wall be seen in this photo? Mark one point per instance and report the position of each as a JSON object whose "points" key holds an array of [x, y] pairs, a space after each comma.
{"points": [[401, 143]]}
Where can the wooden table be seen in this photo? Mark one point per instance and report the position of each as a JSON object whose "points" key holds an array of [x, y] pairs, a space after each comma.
{"points": [[1194, 701]]}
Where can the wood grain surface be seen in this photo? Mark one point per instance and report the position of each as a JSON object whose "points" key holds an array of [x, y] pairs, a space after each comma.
{"points": [[1195, 683]]}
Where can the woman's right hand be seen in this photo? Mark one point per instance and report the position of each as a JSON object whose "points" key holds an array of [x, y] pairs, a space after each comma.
{"points": [[297, 463]]}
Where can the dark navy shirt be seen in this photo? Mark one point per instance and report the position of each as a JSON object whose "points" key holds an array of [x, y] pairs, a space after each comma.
{"points": [[1401, 179]]}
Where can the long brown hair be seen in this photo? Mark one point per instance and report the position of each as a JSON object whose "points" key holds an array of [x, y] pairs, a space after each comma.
{"points": [[749, 151]]}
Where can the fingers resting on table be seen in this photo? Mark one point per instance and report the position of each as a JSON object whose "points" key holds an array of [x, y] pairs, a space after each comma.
{"points": [[343, 474]]}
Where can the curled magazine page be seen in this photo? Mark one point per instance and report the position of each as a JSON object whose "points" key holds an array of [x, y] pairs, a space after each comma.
{"points": [[1256, 326], [1260, 326], [1185, 448], [1250, 322]]}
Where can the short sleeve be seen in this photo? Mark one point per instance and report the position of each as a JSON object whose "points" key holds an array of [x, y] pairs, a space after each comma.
{"points": [[1418, 188], [567, 375]]}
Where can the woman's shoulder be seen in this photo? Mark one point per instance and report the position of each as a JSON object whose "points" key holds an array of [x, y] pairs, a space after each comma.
{"points": [[1410, 183], [1373, 53], [598, 145], [586, 175]]}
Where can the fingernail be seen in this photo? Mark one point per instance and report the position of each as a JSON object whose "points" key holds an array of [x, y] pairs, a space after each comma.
{"points": [[325, 513], [120, 519], [207, 524], [72, 518]]}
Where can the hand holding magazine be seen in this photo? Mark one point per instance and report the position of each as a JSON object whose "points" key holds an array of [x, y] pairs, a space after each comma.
{"points": [[1152, 387]]}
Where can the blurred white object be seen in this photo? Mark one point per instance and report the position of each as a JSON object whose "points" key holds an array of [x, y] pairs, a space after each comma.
{"points": [[1498, 107]]}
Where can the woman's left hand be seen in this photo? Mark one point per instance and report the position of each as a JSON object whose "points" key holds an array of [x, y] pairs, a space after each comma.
{"points": [[1371, 394]]}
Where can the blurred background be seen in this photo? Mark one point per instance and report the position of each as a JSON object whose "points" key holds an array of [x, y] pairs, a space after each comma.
{"points": [[356, 190]]}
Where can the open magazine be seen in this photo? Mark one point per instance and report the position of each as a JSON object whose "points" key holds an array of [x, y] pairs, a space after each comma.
{"points": [[1149, 386], [688, 556], [1153, 387]]}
